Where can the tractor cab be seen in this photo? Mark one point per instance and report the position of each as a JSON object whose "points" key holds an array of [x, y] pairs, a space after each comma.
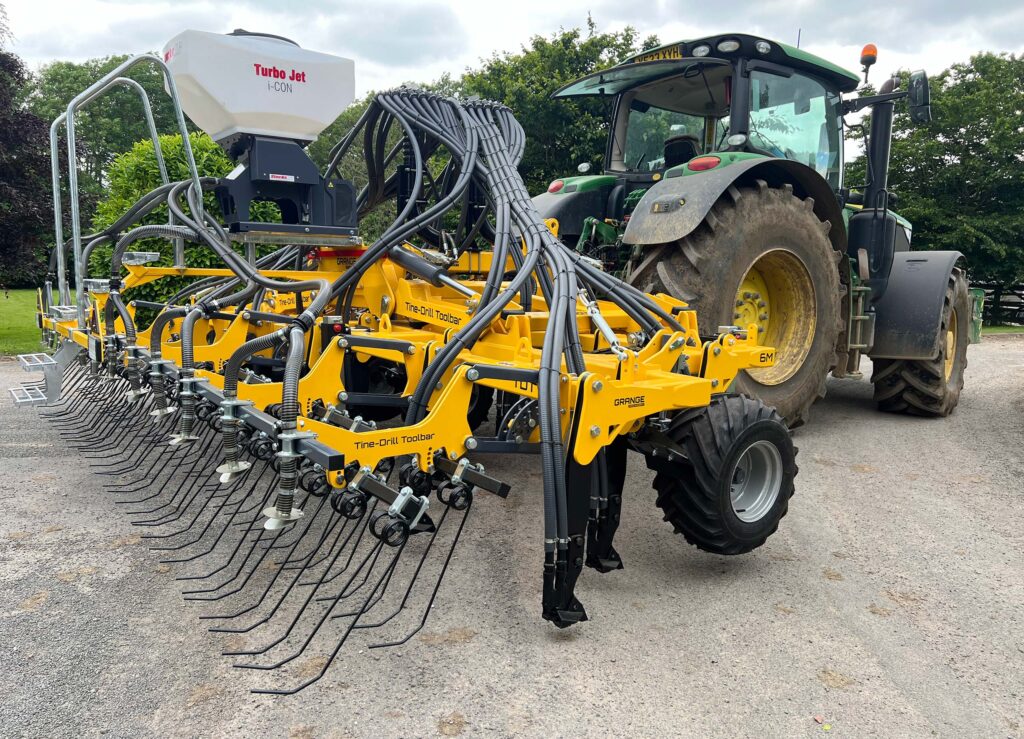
{"points": [[722, 185], [734, 93]]}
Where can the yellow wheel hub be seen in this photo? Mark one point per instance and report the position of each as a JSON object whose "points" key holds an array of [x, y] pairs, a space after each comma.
{"points": [[777, 295], [950, 356]]}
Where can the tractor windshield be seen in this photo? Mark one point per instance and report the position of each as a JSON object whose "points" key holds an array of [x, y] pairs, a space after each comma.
{"points": [[665, 122], [797, 118]]}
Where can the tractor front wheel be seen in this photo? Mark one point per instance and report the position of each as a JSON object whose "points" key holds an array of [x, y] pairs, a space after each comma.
{"points": [[930, 387], [733, 487]]}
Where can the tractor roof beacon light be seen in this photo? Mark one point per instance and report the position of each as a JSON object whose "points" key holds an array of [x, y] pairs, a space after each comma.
{"points": [[868, 56], [263, 98]]}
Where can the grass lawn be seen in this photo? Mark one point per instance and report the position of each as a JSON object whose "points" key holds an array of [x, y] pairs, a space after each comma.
{"points": [[987, 330], [18, 332]]}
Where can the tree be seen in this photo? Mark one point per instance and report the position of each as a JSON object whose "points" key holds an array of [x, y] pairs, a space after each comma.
{"points": [[960, 178], [561, 134], [25, 214]]}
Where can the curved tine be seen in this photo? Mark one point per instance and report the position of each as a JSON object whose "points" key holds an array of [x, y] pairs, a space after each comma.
{"points": [[433, 594], [334, 653], [345, 591], [335, 519], [238, 544], [253, 526], [348, 562], [220, 535], [222, 494], [255, 541], [415, 575], [173, 503], [188, 496], [373, 555], [234, 488], [309, 597], [259, 561]]}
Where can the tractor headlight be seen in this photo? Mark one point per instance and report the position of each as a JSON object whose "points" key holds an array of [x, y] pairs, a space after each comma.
{"points": [[728, 45], [702, 50], [737, 139], [763, 47]]}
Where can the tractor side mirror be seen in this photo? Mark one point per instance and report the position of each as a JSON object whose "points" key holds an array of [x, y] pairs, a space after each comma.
{"points": [[920, 97]]}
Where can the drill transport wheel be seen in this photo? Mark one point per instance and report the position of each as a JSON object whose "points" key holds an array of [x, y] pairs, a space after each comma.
{"points": [[733, 488]]}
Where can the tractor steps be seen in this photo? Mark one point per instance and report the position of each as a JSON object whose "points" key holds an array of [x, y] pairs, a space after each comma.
{"points": [[38, 393]]}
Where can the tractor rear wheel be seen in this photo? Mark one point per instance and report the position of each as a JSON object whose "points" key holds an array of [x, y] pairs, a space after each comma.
{"points": [[734, 487], [761, 257], [930, 387]]}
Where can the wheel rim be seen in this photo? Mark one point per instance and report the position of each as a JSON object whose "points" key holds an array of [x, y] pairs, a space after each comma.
{"points": [[950, 346], [756, 481], [777, 295]]}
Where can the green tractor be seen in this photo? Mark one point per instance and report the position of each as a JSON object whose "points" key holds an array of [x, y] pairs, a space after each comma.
{"points": [[723, 186]]}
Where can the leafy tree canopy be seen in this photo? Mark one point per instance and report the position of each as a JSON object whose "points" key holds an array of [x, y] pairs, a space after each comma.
{"points": [[959, 178]]}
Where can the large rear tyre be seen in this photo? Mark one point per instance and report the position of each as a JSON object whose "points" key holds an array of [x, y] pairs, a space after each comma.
{"points": [[761, 256], [930, 387], [734, 487]]}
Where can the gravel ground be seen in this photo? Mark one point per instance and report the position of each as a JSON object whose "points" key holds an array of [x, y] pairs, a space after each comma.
{"points": [[888, 604]]}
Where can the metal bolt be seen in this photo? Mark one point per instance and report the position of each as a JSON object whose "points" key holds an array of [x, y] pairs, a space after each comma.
{"points": [[473, 375], [739, 303], [757, 296], [597, 386], [714, 383], [717, 350], [760, 329], [565, 378], [453, 455], [736, 315], [763, 316], [343, 342], [595, 431], [471, 443], [761, 304], [747, 296], [342, 396], [561, 411], [410, 349], [246, 315]]}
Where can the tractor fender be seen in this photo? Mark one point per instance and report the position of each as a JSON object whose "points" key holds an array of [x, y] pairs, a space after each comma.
{"points": [[908, 316], [674, 207]]}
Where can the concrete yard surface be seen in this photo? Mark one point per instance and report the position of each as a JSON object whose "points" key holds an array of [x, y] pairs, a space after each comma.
{"points": [[888, 604]]}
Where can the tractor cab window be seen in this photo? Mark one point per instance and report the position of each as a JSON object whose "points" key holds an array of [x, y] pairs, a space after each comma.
{"points": [[797, 118], [667, 121]]}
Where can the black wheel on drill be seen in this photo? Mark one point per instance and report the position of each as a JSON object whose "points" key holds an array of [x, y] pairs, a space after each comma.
{"points": [[733, 488]]}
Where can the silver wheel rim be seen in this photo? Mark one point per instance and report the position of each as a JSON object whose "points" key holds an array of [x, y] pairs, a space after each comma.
{"points": [[756, 481]]}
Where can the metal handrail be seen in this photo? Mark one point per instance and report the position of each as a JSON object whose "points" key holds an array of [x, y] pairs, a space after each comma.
{"points": [[110, 80]]}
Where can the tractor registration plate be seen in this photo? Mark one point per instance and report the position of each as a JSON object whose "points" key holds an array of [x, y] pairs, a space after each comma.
{"points": [[660, 55]]}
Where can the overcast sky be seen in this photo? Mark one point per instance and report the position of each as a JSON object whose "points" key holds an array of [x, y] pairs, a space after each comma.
{"points": [[394, 41]]}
